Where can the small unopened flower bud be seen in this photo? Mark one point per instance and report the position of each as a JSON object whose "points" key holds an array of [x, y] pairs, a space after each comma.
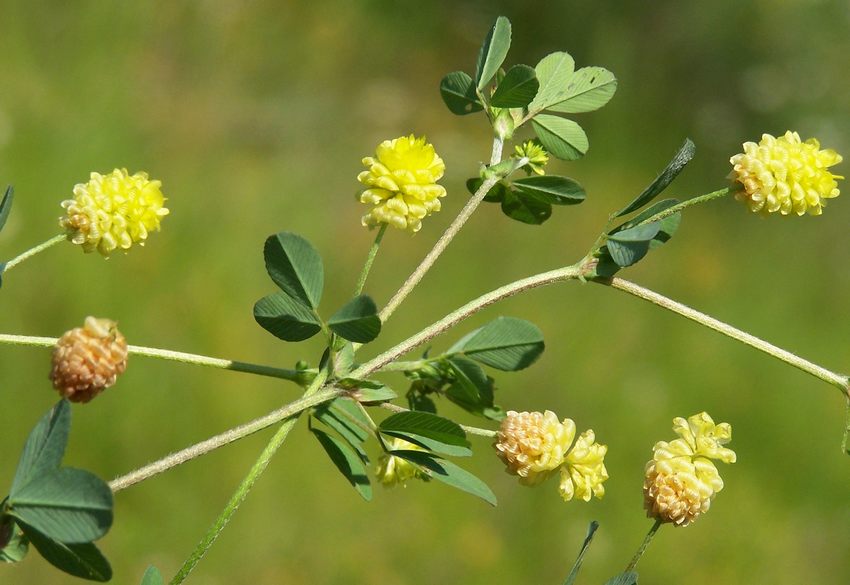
{"points": [[88, 359], [393, 470]]}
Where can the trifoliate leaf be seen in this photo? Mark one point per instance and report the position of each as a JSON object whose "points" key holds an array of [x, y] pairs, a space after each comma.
{"points": [[517, 89], [563, 138], [588, 89], [553, 73], [286, 318], [458, 92], [295, 266], [45, 446], [357, 320]]}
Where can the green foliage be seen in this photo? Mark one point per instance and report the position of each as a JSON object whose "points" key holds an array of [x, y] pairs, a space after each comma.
{"points": [[45, 446], [587, 89], [530, 199], [13, 545], [286, 318], [345, 417], [591, 530], [295, 266], [517, 89], [628, 578], [449, 473], [553, 74], [664, 178], [493, 52], [357, 320], [551, 189], [152, 577], [6, 205], [525, 209], [433, 432], [506, 343], [458, 92], [349, 462], [563, 138], [80, 559]]}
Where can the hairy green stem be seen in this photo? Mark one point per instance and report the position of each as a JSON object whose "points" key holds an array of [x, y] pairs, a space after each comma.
{"points": [[846, 427], [445, 239], [644, 545], [838, 380], [685, 204], [248, 482], [301, 377], [33, 251], [225, 438], [373, 251]]}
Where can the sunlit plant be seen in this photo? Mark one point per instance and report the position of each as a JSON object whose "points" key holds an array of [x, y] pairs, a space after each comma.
{"points": [[61, 511]]}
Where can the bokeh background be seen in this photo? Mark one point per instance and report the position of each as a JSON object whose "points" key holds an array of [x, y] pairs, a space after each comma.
{"points": [[255, 116]]}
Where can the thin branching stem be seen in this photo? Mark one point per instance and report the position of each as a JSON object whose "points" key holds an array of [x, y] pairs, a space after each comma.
{"points": [[370, 258], [33, 251], [644, 545]]}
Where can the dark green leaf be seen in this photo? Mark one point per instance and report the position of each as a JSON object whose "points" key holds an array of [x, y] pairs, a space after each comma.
{"points": [[525, 209], [346, 418], [80, 560], [470, 381], [420, 402], [639, 233], [6, 205], [45, 446], [496, 194], [553, 73], [428, 430], [627, 253], [347, 461], [152, 577], [13, 545], [450, 474], [493, 52], [517, 89], [551, 189], [605, 267], [673, 168], [357, 320], [458, 92], [667, 226], [296, 267], [344, 362], [630, 578], [506, 343], [571, 578], [563, 138], [286, 318], [67, 505], [588, 89]]}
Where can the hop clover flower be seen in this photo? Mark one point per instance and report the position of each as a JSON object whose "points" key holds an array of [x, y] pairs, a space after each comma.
{"points": [[681, 479], [402, 183], [785, 175], [113, 211], [533, 445], [88, 359], [536, 155], [393, 470]]}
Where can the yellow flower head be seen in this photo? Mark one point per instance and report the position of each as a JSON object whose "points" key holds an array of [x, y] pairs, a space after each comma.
{"points": [[681, 479], [536, 155], [394, 470], [785, 175], [533, 444], [113, 211], [402, 183], [584, 471]]}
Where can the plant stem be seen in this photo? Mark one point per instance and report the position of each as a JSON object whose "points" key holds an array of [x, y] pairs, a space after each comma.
{"points": [[225, 438], [470, 308], [643, 546], [846, 427], [445, 239], [471, 430], [301, 377], [33, 251], [684, 204], [838, 380], [248, 482], [373, 251]]}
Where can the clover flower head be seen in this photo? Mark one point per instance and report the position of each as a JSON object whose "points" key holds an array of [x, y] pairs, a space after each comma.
{"points": [[113, 211], [88, 359], [533, 444], [536, 155], [401, 183], [785, 175], [681, 479], [584, 471], [393, 470]]}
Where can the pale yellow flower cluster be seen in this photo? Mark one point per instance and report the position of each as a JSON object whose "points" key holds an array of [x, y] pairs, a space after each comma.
{"points": [[536, 155], [394, 470], [785, 175], [533, 445], [402, 183], [113, 211], [681, 479]]}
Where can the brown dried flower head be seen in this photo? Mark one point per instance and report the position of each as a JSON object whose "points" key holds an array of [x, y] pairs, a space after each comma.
{"points": [[88, 359]]}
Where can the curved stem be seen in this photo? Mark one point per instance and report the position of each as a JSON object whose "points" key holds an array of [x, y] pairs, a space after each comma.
{"points": [[248, 482], [373, 251], [445, 239], [685, 204], [838, 380], [33, 251], [644, 545], [225, 438], [301, 377]]}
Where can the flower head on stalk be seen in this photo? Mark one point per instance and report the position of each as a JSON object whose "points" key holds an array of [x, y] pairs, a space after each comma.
{"points": [[785, 175], [113, 211], [536, 155], [402, 183], [393, 470], [533, 445], [681, 479]]}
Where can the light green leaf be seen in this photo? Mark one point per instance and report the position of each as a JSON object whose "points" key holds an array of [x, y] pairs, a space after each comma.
{"points": [[588, 89], [6, 205], [45, 446], [296, 267], [450, 474], [553, 73], [347, 461], [493, 52], [80, 559], [563, 138], [67, 505], [571, 578], [551, 189], [357, 320], [517, 89], [524, 208], [428, 430], [458, 92], [286, 318], [152, 577], [505, 343], [629, 578], [671, 171]]}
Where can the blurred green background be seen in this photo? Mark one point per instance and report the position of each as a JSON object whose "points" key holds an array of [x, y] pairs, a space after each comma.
{"points": [[255, 116]]}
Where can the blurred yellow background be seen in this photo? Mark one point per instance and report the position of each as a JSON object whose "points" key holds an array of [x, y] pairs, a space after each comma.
{"points": [[255, 116]]}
